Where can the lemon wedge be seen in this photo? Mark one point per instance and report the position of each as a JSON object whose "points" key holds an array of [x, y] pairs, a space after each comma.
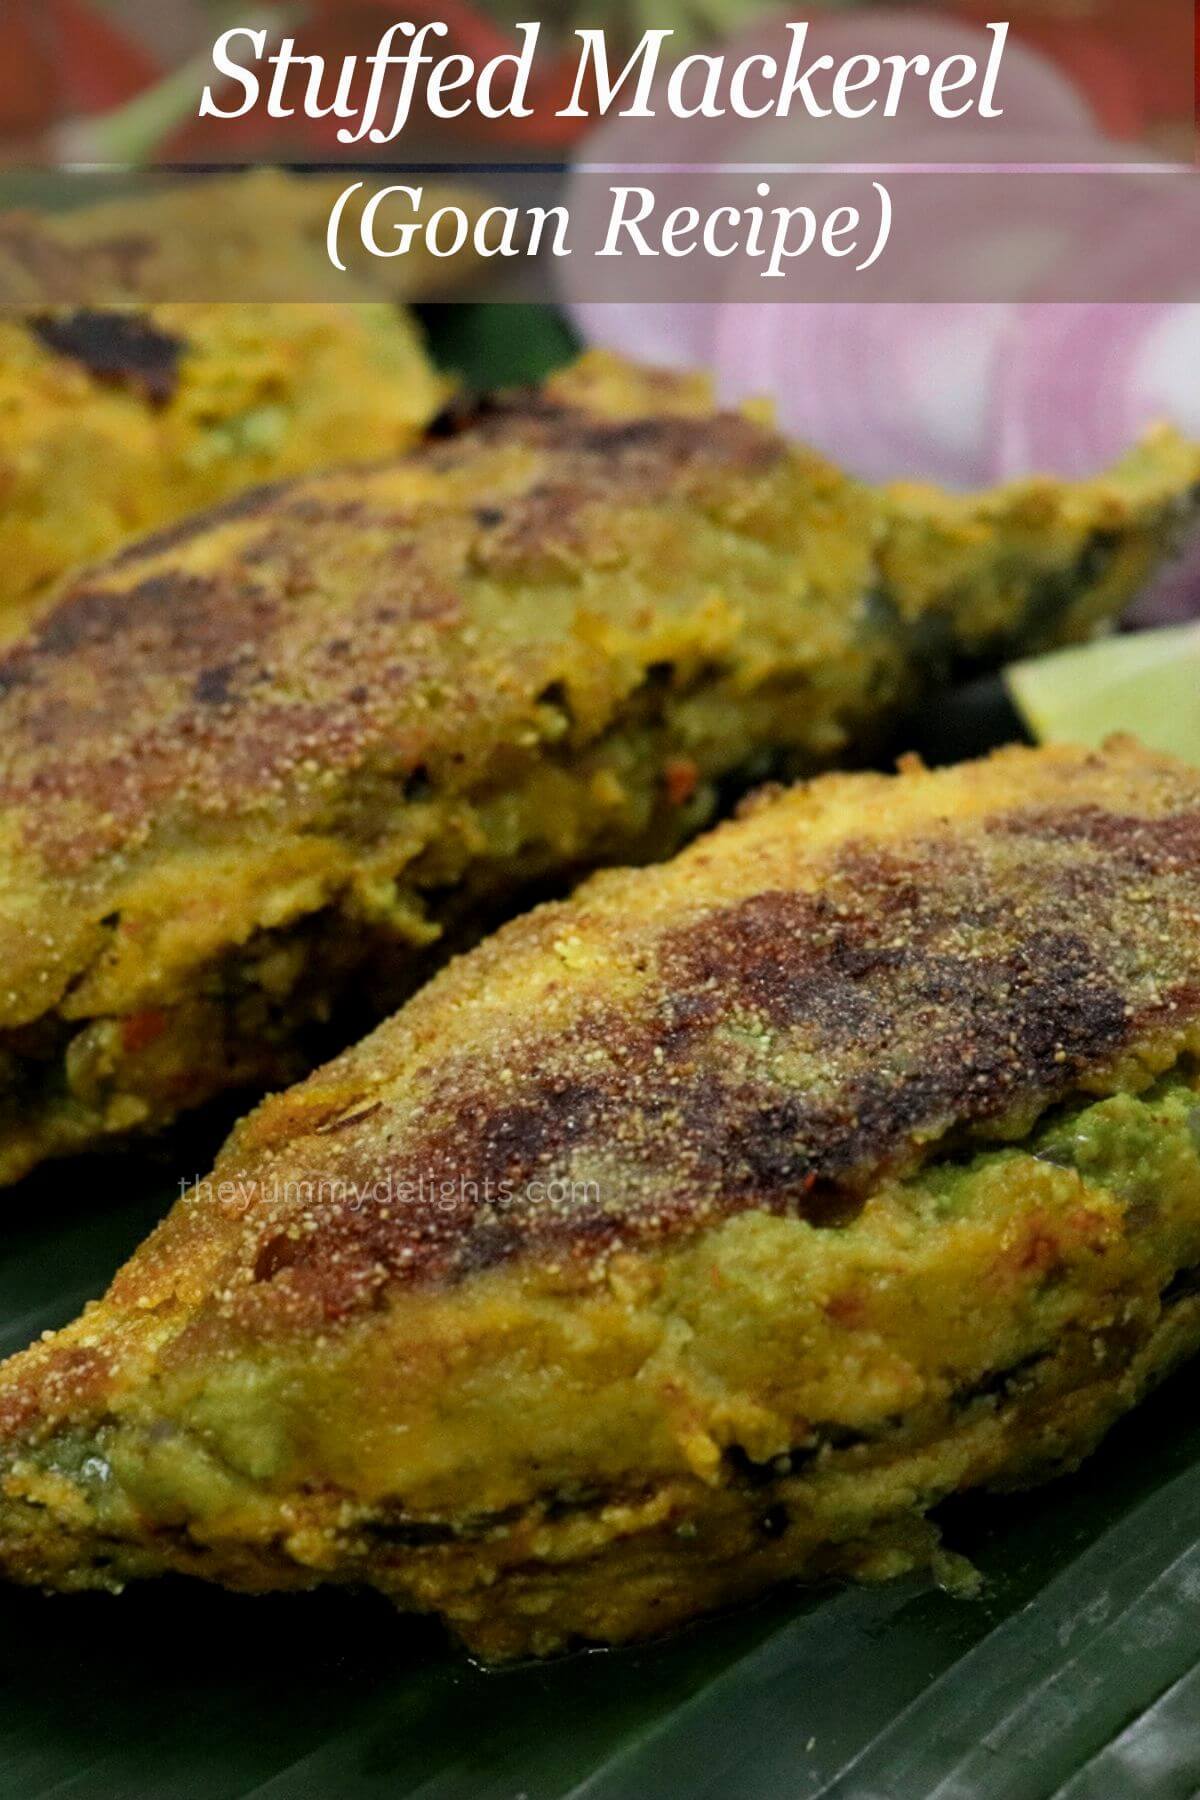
{"points": [[1147, 683]]}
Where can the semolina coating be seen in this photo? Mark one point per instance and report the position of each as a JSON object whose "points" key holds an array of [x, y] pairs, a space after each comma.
{"points": [[162, 351], [262, 771], [116, 421], [701, 1231]]}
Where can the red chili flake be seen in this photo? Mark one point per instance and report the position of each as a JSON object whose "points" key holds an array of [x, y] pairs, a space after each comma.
{"points": [[847, 1309], [141, 1030], [681, 778], [1041, 1251]]}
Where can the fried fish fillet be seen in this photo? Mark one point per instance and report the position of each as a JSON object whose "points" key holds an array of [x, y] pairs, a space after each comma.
{"points": [[119, 420], [699, 1231], [252, 771], [116, 419]]}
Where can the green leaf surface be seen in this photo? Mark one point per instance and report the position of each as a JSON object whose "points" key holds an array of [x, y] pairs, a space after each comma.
{"points": [[498, 345]]}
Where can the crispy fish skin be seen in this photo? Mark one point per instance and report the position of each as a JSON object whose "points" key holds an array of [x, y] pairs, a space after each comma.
{"points": [[697, 1232], [120, 420], [161, 352], [266, 760]]}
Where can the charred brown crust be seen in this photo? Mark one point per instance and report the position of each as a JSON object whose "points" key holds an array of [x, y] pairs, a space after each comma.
{"points": [[1156, 845], [246, 505], [114, 724], [718, 1213], [125, 349], [132, 674], [658, 445], [386, 701], [785, 1052]]}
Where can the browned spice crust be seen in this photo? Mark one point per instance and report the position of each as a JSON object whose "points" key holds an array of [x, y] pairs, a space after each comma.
{"points": [[701, 1230], [312, 732]]}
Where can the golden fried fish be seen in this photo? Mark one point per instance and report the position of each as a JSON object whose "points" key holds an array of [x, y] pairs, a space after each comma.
{"points": [[120, 418], [702, 1230], [256, 771]]}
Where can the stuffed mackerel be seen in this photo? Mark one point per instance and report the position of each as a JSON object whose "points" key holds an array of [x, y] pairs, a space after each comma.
{"points": [[700, 1231], [259, 772]]}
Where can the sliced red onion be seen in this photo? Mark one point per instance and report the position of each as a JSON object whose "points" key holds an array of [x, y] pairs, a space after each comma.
{"points": [[1033, 93], [888, 391], [1083, 382], [673, 334], [907, 389], [1081, 386], [961, 394], [1174, 596]]}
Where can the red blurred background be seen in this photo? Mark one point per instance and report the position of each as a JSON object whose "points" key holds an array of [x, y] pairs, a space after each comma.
{"points": [[66, 61]]}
